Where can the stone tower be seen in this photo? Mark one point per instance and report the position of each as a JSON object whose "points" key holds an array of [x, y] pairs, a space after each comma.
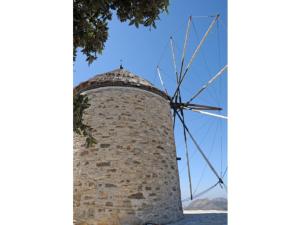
{"points": [[130, 176]]}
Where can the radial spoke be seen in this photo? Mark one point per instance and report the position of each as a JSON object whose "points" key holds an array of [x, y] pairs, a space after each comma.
{"points": [[184, 45], [161, 81], [201, 42], [183, 56], [187, 156], [186, 145], [208, 83], [208, 113]]}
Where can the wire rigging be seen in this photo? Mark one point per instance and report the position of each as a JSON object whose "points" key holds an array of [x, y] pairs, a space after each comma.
{"points": [[200, 150], [210, 152], [203, 192], [178, 106], [201, 79], [204, 137], [221, 148], [208, 83], [196, 51], [214, 96]]}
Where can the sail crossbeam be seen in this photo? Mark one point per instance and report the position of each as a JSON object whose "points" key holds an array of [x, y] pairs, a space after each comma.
{"points": [[190, 106]]}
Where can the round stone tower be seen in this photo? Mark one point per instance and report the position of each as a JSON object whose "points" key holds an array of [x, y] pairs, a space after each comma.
{"points": [[130, 176]]}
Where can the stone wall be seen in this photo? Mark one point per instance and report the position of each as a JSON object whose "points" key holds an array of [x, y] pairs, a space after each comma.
{"points": [[130, 176]]}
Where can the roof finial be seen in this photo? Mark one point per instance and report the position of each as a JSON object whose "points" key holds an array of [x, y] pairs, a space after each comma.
{"points": [[121, 67]]}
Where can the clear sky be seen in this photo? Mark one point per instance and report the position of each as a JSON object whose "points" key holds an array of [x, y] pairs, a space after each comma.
{"points": [[141, 50]]}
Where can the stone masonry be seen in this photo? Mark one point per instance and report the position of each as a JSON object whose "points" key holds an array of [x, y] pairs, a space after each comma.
{"points": [[130, 176]]}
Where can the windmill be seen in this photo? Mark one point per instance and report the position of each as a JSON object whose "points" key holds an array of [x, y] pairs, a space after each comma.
{"points": [[179, 107], [131, 173]]}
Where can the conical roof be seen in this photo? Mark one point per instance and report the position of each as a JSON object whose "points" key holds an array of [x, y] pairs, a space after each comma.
{"points": [[118, 77]]}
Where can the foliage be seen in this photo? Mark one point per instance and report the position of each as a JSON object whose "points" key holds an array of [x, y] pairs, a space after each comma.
{"points": [[81, 103], [90, 21]]}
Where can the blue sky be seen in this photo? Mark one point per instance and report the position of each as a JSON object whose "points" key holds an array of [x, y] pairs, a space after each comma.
{"points": [[141, 50]]}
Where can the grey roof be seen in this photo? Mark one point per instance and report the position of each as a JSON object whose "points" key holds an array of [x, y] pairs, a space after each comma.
{"points": [[118, 77], [121, 75]]}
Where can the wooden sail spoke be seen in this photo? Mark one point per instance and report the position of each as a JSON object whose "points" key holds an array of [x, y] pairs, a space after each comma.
{"points": [[183, 55], [208, 83], [196, 51], [200, 150], [209, 114], [187, 157], [184, 45], [160, 78], [178, 106], [201, 42]]}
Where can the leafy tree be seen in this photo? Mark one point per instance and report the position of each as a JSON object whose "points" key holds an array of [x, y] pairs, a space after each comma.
{"points": [[80, 104], [90, 21], [90, 32]]}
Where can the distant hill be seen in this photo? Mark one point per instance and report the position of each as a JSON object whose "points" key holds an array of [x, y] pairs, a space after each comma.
{"points": [[208, 204]]}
